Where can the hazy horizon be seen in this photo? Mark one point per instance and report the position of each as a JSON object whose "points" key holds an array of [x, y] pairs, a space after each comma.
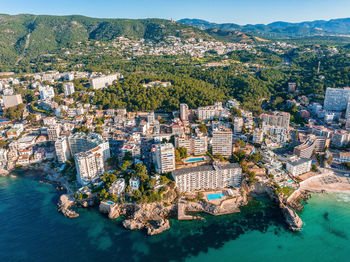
{"points": [[219, 11]]}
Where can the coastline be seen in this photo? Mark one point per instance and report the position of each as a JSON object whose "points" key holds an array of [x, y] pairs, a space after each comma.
{"points": [[154, 217]]}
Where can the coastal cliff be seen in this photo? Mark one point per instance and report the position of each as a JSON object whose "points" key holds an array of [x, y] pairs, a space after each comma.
{"points": [[292, 219], [152, 217]]}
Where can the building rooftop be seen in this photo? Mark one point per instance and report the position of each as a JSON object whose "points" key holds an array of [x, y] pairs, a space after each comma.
{"points": [[201, 168]]}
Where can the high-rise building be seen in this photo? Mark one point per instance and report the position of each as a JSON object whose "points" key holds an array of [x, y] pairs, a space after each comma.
{"points": [[207, 177], [46, 92], [104, 81], [222, 142], [164, 158], [184, 111], [336, 99], [89, 165], [12, 100], [62, 149], [68, 88]]}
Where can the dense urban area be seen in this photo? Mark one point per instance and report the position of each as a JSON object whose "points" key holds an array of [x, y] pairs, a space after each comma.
{"points": [[157, 128]]}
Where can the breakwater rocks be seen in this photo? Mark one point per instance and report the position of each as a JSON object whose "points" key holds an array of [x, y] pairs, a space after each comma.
{"points": [[151, 217]]}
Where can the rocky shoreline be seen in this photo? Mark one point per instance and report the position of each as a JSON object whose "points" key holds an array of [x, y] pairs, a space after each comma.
{"points": [[154, 217]]}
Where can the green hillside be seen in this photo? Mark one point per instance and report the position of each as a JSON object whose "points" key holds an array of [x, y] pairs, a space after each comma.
{"points": [[30, 35]]}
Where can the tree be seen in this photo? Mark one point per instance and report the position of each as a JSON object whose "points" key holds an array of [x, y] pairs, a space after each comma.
{"points": [[141, 172], [203, 128], [126, 164], [180, 153]]}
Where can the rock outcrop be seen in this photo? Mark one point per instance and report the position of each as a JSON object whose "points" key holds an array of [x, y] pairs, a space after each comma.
{"points": [[152, 217], [292, 219], [64, 205]]}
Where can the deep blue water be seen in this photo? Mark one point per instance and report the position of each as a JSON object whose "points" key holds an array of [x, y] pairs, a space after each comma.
{"points": [[31, 229]]}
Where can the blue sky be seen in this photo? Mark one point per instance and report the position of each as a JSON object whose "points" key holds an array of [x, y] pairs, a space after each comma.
{"points": [[235, 11]]}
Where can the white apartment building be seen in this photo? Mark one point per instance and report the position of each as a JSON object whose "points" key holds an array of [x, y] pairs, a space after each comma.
{"points": [[46, 92], [184, 112], [104, 81], [276, 119], [209, 112], [68, 88], [164, 158], [80, 142], [222, 142], [336, 99], [89, 165], [62, 149], [298, 166], [208, 177], [340, 138], [195, 145]]}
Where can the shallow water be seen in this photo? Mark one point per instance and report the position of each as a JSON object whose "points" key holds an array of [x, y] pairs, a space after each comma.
{"points": [[31, 229]]}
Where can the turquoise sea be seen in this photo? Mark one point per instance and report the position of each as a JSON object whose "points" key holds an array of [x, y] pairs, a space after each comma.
{"points": [[31, 229]]}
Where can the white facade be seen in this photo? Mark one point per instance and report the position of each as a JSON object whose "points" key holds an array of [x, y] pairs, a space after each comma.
{"points": [[104, 81], [164, 158], [68, 88], [336, 99], [46, 92], [134, 182], [184, 111], [238, 124], [89, 165], [209, 112], [117, 187], [195, 145], [207, 177], [299, 166], [222, 142], [62, 149]]}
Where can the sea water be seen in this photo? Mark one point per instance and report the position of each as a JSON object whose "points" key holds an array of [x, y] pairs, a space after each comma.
{"points": [[31, 229]]}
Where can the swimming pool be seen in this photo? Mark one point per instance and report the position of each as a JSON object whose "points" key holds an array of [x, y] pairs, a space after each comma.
{"points": [[215, 196], [197, 159], [110, 202]]}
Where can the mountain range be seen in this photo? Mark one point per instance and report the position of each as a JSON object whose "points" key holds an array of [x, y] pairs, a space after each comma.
{"points": [[26, 36], [279, 29]]}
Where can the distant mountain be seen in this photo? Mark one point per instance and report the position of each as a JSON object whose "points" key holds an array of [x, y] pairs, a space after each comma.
{"points": [[281, 29], [233, 36]]}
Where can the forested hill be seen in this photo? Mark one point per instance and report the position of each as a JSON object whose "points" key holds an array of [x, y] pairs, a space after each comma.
{"points": [[41, 34]]}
